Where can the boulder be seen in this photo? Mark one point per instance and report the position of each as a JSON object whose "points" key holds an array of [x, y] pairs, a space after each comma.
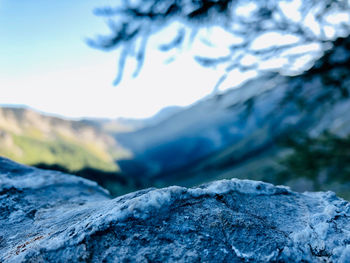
{"points": [[48, 216]]}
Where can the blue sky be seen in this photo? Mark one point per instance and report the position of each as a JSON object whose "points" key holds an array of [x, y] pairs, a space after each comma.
{"points": [[44, 33], [46, 64]]}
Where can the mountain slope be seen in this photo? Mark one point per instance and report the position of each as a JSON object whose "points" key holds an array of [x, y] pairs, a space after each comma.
{"points": [[240, 126], [32, 138]]}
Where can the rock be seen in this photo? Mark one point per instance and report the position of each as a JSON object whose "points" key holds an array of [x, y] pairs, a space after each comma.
{"points": [[48, 216]]}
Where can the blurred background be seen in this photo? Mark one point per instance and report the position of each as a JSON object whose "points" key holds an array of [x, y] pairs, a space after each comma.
{"points": [[136, 94]]}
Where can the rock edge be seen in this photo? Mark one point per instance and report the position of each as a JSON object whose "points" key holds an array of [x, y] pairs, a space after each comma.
{"points": [[47, 216]]}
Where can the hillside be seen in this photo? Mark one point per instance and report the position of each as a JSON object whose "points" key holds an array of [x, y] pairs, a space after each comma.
{"points": [[32, 138], [242, 133]]}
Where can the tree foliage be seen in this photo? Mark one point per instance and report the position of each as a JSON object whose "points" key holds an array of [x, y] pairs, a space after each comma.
{"points": [[308, 22], [323, 159]]}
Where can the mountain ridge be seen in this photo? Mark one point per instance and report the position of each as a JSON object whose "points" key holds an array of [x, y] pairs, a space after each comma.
{"points": [[30, 137], [218, 133]]}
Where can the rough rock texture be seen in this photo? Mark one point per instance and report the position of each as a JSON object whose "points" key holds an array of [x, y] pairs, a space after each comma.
{"points": [[53, 217]]}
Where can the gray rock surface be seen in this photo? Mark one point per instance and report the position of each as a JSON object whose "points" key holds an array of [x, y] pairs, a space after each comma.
{"points": [[48, 216]]}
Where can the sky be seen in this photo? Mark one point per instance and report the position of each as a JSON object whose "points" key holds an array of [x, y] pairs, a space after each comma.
{"points": [[46, 64]]}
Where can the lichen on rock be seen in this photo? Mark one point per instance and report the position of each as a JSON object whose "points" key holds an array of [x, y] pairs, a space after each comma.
{"points": [[48, 216]]}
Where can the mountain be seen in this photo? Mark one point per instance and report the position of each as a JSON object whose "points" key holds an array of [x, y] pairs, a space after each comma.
{"points": [[127, 125], [239, 133], [32, 138], [242, 133], [199, 130]]}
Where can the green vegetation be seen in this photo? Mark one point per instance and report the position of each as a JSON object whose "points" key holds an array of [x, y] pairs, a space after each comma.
{"points": [[324, 160], [326, 156], [83, 147], [302, 162], [31, 138], [70, 155]]}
